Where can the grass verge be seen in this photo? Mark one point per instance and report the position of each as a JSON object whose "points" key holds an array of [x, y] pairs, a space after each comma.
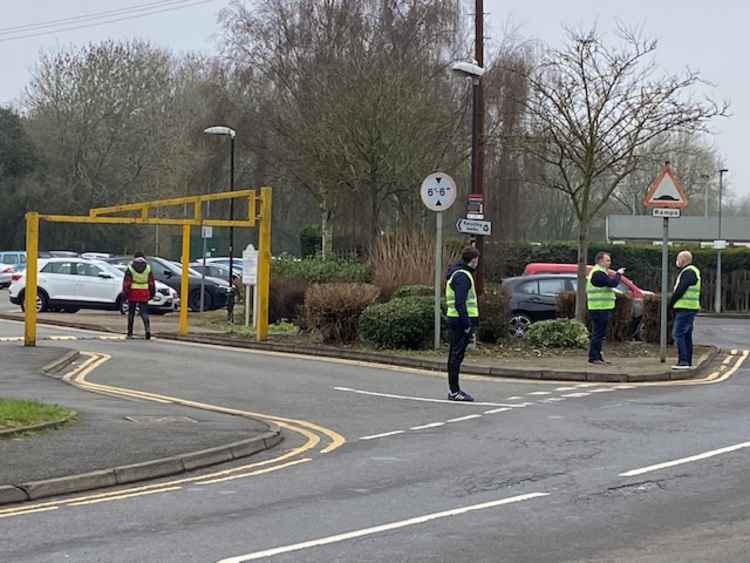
{"points": [[19, 413]]}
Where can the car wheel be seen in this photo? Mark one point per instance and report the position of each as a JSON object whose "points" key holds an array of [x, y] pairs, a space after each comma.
{"points": [[519, 325], [194, 301], [42, 301]]}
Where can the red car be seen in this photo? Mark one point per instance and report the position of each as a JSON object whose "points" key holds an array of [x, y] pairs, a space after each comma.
{"points": [[626, 284]]}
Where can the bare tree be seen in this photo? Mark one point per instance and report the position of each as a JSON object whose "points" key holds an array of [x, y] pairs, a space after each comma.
{"points": [[593, 109]]}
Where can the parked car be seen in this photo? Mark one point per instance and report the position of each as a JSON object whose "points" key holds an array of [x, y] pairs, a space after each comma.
{"points": [[534, 298], [6, 275], [96, 255], [626, 286], [71, 284], [170, 273], [12, 257], [62, 254], [216, 270]]}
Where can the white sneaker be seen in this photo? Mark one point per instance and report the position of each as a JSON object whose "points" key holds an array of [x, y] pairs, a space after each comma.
{"points": [[681, 367]]}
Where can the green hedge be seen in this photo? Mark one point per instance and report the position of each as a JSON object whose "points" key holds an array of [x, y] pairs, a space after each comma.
{"points": [[316, 269], [560, 333], [407, 322], [310, 241], [413, 291]]}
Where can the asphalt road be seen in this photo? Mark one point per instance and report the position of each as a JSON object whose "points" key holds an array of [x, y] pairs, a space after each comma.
{"points": [[533, 474]]}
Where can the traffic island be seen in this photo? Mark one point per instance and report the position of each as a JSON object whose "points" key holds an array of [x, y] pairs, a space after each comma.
{"points": [[631, 362]]}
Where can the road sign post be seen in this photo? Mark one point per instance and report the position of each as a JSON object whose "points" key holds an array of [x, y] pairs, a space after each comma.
{"points": [[438, 193], [666, 197]]}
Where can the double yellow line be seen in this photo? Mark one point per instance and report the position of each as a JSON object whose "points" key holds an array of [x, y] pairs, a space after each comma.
{"points": [[310, 431]]}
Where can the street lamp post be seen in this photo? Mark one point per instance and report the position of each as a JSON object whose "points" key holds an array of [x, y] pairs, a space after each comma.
{"points": [[231, 133], [717, 301], [706, 183]]}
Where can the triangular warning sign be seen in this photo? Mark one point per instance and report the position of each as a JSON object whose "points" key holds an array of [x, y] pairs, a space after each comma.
{"points": [[666, 191]]}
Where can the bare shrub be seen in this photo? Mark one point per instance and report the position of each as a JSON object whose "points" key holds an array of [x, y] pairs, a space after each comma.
{"points": [[334, 309]]}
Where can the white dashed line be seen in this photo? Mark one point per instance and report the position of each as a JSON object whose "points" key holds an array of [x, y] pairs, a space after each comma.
{"points": [[584, 385], [514, 398], [420, 399], [624, 387], [554, 400], [383, 435], [576, 395], [565, 389], [495, 411], [604, 390], [462, 418], [684, 460], [426, 426], [540, 393]]}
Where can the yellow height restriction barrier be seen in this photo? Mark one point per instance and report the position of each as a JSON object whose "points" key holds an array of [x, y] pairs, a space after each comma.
{"points": [[107, 215]]}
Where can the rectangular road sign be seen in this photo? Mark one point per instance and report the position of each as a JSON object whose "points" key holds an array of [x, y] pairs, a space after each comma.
{"points": [[207, 232], [473, 227], [665, 212], [720, 244]]}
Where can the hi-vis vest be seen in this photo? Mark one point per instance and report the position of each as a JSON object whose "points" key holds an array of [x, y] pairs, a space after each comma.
{"points": [[140, 280], [472, 305], [599, 298], [691, 299]]}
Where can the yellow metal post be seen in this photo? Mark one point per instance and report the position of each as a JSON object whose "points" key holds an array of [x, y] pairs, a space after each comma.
{"points": [[32, 251], [264, 263], [184, 282]]}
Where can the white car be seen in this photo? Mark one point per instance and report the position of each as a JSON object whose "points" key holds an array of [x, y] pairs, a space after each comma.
{"points": [[71, 284], [6, 274]]}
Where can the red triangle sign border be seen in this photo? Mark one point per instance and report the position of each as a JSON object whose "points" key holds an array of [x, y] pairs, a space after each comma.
{"points": [[648, 200]]}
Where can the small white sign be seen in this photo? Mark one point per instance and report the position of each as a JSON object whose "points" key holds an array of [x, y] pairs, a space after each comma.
{"points": [[478, 216], [666, 212], [472, 227], [438, 192], [207, 232], [720, 244], [250, 265]]}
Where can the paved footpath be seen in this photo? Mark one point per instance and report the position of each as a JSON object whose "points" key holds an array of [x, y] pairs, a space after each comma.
{"points": [[379, 467]]}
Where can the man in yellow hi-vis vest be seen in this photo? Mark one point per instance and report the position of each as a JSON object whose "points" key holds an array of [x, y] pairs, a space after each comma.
{"points": [[463, 316], [601, 299], [686, 302]]}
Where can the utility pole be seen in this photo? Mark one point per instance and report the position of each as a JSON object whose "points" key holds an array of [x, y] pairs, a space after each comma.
{"points": [[717, 297], [477, 130]]}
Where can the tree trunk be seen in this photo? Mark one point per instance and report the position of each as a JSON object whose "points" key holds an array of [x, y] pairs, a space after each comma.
{"points": [[326, 227], [584, 234]]}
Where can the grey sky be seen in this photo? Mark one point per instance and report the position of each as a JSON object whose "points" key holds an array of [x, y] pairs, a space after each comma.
{"points": [[704, 35]]}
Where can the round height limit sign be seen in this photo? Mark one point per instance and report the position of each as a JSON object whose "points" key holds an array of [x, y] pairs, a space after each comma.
{"points": [[438, 193]]}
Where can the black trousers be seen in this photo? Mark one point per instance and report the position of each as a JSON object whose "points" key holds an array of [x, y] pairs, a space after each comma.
{"points": [[459, 340], [599, 322], [142, 311]]}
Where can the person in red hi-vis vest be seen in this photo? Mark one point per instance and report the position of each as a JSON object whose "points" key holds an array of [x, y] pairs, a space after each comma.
{"points": [[139, 287]]}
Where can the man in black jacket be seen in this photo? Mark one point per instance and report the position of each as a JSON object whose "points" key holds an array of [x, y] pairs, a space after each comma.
{"points": [[463, 316]]}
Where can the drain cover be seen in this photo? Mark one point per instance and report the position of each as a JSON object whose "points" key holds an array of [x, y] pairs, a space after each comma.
{"points": [[157, 419]]}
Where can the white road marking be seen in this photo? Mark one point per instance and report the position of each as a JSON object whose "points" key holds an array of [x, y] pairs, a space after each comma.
{"points": [[378, 529], [426, 426], [583, 385], [604, 390], [540, 393], [624, 387], [684, 460], [514, 398], [420, 399], [462, 418], [383, 435], [553, 400], [727, 360], [495, 411], [565, 389], [576, 395]]}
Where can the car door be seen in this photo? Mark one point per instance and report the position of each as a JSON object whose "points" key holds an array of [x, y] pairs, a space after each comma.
{"points": [[59, 280], [528, 298], [96, 285], [549, 290], [164, 274]]}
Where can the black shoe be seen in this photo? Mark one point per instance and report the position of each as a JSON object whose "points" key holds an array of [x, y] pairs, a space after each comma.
{"points": [[129, 337], [461, 396], [148, 335]]}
